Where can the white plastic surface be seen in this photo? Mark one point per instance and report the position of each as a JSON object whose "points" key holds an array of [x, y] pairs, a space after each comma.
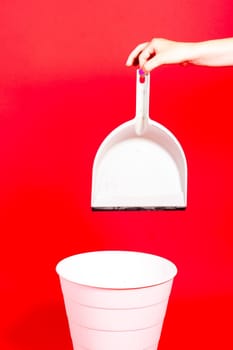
{"points": [[116, 299], [140, 164], [142, 103]]}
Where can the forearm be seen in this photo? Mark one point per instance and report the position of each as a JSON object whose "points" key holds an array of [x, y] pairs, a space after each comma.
{"points": [[217, 52]]}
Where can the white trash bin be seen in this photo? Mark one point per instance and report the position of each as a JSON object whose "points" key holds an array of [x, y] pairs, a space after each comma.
{"points": [[115, 299]]}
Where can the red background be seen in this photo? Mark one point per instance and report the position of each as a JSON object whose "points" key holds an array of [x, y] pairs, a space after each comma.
{"points": [[63, 88]]}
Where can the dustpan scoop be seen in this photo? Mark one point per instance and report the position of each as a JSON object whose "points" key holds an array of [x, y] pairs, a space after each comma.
{"points": [[140, 165]]}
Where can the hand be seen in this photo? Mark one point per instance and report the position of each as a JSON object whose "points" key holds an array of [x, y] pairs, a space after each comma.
{"points": [[157, 52]]}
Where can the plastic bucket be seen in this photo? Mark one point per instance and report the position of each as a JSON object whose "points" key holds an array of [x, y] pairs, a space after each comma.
{"points": [[115, 299]]}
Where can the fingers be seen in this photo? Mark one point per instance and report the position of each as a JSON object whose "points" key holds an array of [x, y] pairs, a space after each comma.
{"points": [[133, 59], [146, 57], [152, 63]]}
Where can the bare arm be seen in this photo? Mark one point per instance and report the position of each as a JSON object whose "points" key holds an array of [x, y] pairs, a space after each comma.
{"points": [[158, 51]]}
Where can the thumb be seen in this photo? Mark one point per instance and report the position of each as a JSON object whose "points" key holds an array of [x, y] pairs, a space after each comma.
{"points": [[153, 63]]}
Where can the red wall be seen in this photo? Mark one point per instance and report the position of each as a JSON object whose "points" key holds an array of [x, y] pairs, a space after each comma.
{"points": [[63, 88]]}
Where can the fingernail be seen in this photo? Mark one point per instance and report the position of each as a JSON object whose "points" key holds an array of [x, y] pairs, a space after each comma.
{"points": [[141, 71]]}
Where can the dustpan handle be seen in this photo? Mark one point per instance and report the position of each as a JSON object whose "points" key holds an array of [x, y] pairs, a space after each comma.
{"points": [[142, 101]]}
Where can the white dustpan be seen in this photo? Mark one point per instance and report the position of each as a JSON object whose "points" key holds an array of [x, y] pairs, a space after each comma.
{"points": [[140, 165]]}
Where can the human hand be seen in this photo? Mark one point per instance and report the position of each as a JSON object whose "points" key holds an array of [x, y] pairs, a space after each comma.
{"points": [[157, 52]]}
